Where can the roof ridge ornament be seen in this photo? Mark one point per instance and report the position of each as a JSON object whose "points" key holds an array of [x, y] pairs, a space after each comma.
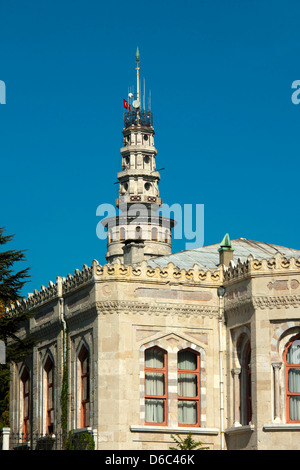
{"points": [[226, 251], [226, 243]]}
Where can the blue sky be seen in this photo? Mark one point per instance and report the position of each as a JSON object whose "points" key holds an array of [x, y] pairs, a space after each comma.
{"points": [[220, 74]]}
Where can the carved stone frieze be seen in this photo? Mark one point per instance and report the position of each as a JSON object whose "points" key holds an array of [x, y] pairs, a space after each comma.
{"points": [[239, 308], [263, 302], [282, 301], [131, 307]]}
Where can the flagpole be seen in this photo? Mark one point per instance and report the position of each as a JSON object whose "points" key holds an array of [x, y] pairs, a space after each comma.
{"points": [[138, 74]]}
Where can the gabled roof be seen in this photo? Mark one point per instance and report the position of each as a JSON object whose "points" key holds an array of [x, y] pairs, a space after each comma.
{"points": [[207, 257]]}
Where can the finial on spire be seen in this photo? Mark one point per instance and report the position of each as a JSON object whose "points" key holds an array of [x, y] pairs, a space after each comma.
{"points": [[138, 74]]}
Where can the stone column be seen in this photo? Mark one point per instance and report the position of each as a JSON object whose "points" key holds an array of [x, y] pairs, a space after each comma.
{"points": [[172, 388], [236, 397], [5, 442], [276, 367]]}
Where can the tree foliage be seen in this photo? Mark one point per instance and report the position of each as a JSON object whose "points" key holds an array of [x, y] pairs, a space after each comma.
{"points": [[11, 284], [187, 443]]}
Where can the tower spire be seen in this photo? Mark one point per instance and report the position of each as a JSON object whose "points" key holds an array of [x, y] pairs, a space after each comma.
{"points": [[137, 55], [138, 232]]}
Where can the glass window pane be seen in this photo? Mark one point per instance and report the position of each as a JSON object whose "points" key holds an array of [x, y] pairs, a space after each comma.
{"points": [[187, 385], [26, 406], [155, 384], [87, 414], [294, 380], [187, 412], [154, 411], [50, 398], [84, 388], [187, 360], [85, 365], [295, 408], [154, 358], [293, 355], [50, 376]]}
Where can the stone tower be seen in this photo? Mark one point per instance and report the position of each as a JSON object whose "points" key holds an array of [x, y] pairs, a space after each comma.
{"points": [[138, 232]]}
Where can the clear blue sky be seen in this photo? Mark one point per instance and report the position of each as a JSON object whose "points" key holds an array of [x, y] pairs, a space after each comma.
{"points": [[227, 132]]}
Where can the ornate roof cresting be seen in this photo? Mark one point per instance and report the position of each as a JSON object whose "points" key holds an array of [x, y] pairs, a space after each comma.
{"points": [[252, 267], [115, 271]]}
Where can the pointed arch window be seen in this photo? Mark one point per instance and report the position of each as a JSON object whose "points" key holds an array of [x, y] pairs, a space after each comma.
{"points": [[242, 394], [188, 388], [25, 381], [49, 369], [292, 377], [155, 386], [85, 386]]}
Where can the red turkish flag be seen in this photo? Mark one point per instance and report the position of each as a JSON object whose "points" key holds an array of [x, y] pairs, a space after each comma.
{"points": [[126, 105]]}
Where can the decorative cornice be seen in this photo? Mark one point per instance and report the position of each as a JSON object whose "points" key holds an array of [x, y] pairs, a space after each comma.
{"points": [[116, 271], [282, 301], [170, 273], [263, 302], [142, 308], [279, 264], [34, 300]]}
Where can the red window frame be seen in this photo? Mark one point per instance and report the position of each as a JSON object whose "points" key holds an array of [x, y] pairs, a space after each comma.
{"points": [[26, 399], [164, 397], [49, 367], [287, 368], [197, 397], [84, 377]]}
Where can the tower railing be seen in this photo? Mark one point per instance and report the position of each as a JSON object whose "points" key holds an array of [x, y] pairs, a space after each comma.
{"points": [[144, 118]]}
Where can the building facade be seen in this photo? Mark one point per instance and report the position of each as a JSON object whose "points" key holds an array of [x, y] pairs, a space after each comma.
{"points": [[153, 344]]}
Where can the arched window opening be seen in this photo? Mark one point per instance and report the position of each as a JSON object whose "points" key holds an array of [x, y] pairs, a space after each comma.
{"points": [[155, 386], [154, 234], [292, 374], [25, 380], [49, 369], [85, 386], [188, 388], [122, 234], [138, 233]]}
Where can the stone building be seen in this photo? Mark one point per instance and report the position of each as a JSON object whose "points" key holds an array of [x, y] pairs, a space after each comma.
{"points": [[154, 343]]}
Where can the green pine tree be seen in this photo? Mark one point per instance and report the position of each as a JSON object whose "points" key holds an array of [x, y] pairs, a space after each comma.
{"points": [[11, 284]]}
